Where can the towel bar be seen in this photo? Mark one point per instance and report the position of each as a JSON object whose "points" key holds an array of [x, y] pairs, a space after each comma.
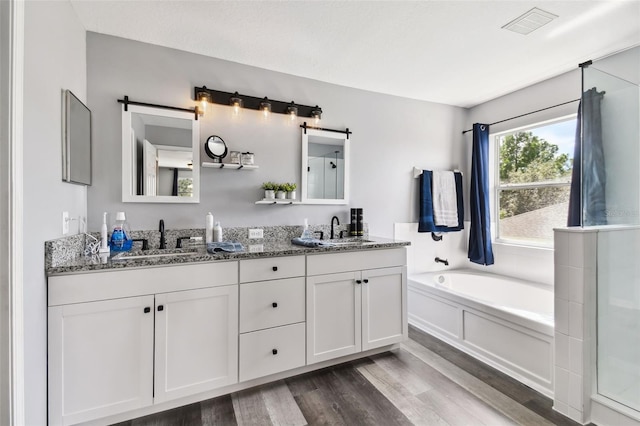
{"points": [[417, 172]]}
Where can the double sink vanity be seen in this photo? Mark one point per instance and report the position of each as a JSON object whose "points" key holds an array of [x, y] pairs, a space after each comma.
{"points": [[150, 331]]}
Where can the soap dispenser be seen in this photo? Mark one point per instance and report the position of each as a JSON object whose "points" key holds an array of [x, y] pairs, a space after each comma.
{"points": [[121, 235], [306, 233], [217, 233]]}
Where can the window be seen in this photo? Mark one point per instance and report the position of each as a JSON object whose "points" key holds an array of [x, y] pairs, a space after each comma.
{"points": [[533, 181]]}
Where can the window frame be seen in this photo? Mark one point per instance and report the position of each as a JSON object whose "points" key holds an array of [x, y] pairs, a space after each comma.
{"points": [[497, 188]]}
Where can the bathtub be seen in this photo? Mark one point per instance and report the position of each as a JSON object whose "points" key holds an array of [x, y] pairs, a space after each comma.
{"points": [[502, 321]]}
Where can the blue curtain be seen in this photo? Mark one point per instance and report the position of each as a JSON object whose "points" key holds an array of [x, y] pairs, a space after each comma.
{"points": [[588, 178], [480, 250]]}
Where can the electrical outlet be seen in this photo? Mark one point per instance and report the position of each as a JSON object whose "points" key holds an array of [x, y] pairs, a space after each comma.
{"points": [[65, 223], [256, 233]]}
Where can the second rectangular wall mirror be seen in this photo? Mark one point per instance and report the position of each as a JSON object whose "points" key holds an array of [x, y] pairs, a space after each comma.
{"points": [[160, 155], [325, 167]]}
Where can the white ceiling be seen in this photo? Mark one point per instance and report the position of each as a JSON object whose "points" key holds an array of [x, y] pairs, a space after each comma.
{"points": [[452, 52]]}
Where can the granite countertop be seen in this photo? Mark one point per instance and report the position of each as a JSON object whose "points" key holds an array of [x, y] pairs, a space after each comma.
{"points": [[267, 249]]}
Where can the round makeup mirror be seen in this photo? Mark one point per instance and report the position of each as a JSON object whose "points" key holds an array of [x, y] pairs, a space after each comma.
{"points": [[215, 148]]}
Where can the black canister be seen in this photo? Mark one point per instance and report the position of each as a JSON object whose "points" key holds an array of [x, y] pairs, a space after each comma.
{"points": [[360, 222], [353, 226]]}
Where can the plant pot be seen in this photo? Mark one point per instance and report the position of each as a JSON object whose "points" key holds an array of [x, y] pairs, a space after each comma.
{"points": [[281, 195], [269, 194], [291, 195]]}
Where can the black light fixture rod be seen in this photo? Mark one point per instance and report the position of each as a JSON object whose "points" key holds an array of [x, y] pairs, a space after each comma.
{"points": [[127, 102], [252, 102], [345, 131]]}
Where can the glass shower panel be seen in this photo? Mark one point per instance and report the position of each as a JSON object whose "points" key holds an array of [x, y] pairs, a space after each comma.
{"points": [[618, 246]]}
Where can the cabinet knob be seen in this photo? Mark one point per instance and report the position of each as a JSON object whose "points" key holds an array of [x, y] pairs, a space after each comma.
{"points": [[274, 304], [275, 268], [274, 351], [358, 281], [160, 308], [147, 310], [365, 280]]}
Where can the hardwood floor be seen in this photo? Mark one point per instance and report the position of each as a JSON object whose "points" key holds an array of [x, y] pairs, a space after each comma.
{"points": [[425, 382]]}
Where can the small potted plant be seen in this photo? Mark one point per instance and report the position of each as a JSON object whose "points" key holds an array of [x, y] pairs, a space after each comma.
{"points": [[269, 190], [291, 190], [281, 191]]}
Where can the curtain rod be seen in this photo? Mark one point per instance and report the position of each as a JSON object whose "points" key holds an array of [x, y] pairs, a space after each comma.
{"points": [[528, 113]]}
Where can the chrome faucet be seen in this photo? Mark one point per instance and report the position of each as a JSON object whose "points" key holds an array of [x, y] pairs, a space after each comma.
{"points": [[163, 241], [445, 261], [337, 223]]}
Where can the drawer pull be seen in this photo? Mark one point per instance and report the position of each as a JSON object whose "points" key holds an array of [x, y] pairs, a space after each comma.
{"points": [[365, 281], [275, 269], [274, 351], [160, 308], [274, 304], [147, 310], [358, 281]]}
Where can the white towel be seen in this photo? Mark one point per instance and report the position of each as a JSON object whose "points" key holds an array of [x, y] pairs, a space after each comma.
{"points": [[445, 199]]}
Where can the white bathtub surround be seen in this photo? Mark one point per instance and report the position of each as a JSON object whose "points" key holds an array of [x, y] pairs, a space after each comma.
{"points": [[423, 249], [504, 322], [526, 263]]}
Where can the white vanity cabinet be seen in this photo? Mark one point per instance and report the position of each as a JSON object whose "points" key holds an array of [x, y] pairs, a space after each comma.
{"points": [[272, 316], [102, 328], [196, 338], [100, 358], [356, 301]]}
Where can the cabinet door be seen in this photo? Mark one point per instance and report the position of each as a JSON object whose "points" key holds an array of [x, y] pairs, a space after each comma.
{"points": [[384, 307], [196, 341], [333, 316], [100, 359]]}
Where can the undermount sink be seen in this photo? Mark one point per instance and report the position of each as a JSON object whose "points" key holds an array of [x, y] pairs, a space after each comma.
{"points": [[150, 254]]}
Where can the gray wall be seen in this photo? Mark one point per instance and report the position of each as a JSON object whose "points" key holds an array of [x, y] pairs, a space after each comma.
{"points": [[390, 136], [54, 59]]}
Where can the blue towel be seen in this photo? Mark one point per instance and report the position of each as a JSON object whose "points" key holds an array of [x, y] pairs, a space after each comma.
{"points": [[228, 246], [426, 222], [309, 242]]}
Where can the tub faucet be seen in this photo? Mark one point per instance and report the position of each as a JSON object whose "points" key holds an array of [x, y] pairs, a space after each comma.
{"points": [[163, 241], [445, 261], [337, 223]]}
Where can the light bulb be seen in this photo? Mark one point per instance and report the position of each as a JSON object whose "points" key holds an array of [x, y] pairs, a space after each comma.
{"points": [[292, 109], [236, 103], [265, 107]]}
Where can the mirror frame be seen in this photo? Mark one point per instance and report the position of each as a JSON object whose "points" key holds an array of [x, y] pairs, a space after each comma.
{"points": [[337, 138], [77, 138], [127, 178]]}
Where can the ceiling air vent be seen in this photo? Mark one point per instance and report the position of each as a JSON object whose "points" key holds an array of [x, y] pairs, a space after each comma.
{"points": [[530, 21]]}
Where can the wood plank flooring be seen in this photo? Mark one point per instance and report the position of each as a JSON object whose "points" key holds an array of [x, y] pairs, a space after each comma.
{"points": [[425, 382]]}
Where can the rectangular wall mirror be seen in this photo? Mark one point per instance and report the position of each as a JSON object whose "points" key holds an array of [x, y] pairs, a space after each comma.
{"points": [[325, 167], [76, 141], [160, 155]]}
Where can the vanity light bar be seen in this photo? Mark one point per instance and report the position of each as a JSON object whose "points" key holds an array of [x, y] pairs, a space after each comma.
{"points": [[253, 102], [127, 102]]}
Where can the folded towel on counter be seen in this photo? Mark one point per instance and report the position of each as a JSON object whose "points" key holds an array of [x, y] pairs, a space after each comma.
{"points": [[228, 246], [309, 242], [445, 209], [426, 221]]}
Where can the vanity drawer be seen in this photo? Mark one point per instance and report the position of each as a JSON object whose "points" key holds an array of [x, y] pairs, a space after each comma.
{"points": [[332, 263], [266, 304], [271, 351], [273, 268]]}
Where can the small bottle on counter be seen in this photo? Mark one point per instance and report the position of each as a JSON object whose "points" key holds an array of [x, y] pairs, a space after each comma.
{"points": [[217, 233], [209, 228]]}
